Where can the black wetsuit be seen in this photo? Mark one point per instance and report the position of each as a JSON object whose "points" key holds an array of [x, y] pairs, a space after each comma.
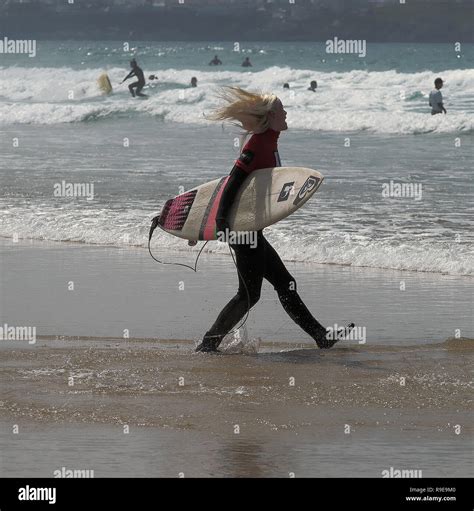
{"points": [[259, 262], [138, 72]]}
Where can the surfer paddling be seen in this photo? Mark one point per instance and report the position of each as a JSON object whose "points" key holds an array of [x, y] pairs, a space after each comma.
{"points": [[262, 116]]}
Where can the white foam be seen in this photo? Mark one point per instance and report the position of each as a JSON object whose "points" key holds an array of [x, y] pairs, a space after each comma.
{"points": [[130, 228], [383, 102]]}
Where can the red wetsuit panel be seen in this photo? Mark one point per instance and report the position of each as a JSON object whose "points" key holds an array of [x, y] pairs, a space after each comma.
{"points": [[264, 152]]}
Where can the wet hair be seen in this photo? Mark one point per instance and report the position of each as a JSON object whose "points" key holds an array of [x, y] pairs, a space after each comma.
{"points": [[244, 109], [438, 80]]}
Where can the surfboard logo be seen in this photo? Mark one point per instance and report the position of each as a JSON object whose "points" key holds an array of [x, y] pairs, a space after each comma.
{"points": [[285, 191], [310, 184]]}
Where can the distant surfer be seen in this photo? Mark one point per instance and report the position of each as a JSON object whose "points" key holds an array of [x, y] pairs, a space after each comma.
{"points": [[263, 116], [194, 81], [140, 83], [436, 98], [286, 85], [313, 86], [246, 62], [216, 61]]}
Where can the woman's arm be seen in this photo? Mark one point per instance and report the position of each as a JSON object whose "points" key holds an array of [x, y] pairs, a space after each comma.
{"points": [[236, 178], [242, 168]]}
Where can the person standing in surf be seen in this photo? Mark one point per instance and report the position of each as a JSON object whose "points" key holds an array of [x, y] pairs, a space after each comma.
{"points": [[138, 72], [436, 98], [263, 117]]}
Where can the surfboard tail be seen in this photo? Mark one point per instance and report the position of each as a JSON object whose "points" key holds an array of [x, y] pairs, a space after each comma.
{"points": [[175, 211]]}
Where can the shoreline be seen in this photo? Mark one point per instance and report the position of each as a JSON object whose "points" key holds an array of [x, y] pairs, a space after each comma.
{"points": [[124, 293], [45, 243]]}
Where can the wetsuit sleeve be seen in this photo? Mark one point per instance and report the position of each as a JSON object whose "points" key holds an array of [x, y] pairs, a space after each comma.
{"points": [[236, 178], [246, 160], [242, 168]]}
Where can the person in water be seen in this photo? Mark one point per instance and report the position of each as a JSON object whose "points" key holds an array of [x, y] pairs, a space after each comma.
{"points": [[194, 81], [436, 98], [313, 86], [138, 85], [246, 62], [215, 61], [262, 116]]}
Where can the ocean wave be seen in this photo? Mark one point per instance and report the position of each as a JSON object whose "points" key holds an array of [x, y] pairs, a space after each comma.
{"points": [[379, 102], [103, 226]]}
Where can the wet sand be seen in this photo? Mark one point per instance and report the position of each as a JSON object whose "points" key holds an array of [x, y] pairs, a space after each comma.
{"points": [[340, 412], [273, 405]]}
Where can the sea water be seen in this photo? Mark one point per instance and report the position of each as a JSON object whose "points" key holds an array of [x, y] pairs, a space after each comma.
{"points": [[398, 187]]}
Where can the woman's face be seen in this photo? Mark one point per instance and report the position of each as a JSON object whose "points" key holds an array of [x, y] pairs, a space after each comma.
{"points": [[277, 117]]}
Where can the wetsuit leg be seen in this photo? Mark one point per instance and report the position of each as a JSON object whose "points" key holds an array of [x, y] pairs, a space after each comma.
{"points": [[285, 285], [250, 265], [139, 89], [132, 86]]}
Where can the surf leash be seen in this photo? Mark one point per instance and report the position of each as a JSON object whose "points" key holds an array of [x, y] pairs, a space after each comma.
{"points": [[154, 225]]}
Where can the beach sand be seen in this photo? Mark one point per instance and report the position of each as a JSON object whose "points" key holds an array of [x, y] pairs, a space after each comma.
{"points": [[275, 407]]}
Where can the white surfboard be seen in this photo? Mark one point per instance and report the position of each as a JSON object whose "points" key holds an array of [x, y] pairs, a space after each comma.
{"points": [[104, 83], [266, 196]]}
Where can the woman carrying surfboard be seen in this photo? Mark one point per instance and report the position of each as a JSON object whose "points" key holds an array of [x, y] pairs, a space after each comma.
{"points": [[263, 116]]}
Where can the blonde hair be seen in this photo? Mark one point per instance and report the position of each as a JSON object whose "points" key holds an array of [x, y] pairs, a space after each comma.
{"points": [[244, 109]]}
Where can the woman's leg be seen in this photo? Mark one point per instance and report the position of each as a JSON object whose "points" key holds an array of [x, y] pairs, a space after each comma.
{"points": [[250, 266], [285, 285]]}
